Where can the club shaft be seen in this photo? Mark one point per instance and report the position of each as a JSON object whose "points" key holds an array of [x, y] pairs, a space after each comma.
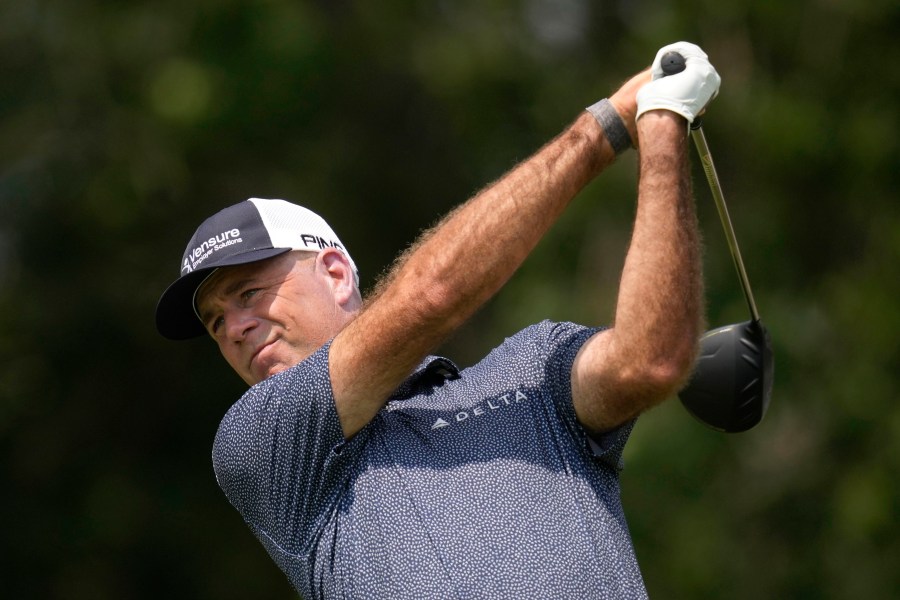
{"points": [[715, 187]]}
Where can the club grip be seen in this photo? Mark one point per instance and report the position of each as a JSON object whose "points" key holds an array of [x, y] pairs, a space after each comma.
{"points": [[672, 63]]}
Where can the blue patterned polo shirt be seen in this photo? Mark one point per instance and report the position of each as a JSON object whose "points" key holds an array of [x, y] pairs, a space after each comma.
{"points": [[477, 483]]}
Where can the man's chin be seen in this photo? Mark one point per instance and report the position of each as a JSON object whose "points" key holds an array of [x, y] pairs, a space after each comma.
{"points": [[262, 372], [265, 365], [275, 370]]}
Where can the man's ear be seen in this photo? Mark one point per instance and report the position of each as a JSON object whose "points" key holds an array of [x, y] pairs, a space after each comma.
{"points": [[340, 273]]}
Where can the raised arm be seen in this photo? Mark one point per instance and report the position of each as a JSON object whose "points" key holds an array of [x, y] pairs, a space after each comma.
{"points": [[463, 261], [650, 350]]}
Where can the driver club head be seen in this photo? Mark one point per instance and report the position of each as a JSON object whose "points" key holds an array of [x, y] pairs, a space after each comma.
{"points": [[732, 383]]}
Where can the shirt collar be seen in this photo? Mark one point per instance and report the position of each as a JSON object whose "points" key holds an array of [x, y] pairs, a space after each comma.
{"points": [[431, 372]]}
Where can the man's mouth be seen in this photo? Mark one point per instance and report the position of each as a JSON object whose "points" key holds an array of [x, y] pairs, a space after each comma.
{"points": [[255, 357]]}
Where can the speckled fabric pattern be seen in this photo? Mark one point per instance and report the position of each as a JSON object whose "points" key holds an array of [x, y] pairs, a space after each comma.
{"points": [[471, 484]]}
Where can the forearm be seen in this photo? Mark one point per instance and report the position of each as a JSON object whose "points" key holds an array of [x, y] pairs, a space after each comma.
{"points": [[644, 357], [476, 247], [501, 225], [658, 311], [456, 267]]}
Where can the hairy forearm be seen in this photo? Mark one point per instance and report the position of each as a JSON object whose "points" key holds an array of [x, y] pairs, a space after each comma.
{"points": [[659, 307], [528, 199], [477, 246], [456, 267], [645, 356], [480, 246], [468, 256]]}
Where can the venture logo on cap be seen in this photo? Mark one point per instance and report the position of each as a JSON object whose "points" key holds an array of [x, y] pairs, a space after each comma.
{"points": [[195, 257], [252, 230]]}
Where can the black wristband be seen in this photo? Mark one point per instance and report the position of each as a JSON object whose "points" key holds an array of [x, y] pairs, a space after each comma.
{"points": [[613, 127]]}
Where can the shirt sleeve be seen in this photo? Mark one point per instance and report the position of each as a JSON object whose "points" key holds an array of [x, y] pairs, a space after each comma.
{"points": [[277, 455], [561, 343]]}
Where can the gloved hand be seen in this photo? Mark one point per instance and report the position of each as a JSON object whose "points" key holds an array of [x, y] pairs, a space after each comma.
{"points": [[686, 93]]}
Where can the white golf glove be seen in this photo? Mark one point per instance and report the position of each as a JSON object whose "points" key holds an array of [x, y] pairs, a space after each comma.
{"points": [[686, 93]]}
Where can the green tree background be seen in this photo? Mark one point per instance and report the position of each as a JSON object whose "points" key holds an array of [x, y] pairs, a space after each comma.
{"points": [[124, 123]]}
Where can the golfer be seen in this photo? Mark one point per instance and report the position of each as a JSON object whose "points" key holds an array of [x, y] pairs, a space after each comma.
{"points": [[369, 468]]}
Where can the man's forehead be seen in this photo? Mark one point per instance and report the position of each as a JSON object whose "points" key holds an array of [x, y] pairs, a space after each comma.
{"points": [[226, 281]]}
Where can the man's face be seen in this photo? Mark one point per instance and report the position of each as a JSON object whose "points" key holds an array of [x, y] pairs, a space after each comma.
{"points": [[269, 315]]}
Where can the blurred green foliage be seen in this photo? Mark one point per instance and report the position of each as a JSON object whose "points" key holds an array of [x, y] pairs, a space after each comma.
{"points": [[124, 123]]}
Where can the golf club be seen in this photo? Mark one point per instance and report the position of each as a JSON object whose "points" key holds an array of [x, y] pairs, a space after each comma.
{"points": [[731, 386]]}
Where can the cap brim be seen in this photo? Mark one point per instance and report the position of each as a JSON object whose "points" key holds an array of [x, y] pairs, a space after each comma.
{"points": [[175, 316]]}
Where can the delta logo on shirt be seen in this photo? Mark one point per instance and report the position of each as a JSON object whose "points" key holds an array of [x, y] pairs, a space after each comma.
{"points": [[482, 409]]}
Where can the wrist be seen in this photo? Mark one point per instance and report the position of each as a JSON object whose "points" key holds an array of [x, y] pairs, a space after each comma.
{"points": [[614, 128], [661, 117], [662, 124], [625, 101]]}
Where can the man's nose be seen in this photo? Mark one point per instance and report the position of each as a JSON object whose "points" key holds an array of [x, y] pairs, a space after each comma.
{"points": [[238, 323]]}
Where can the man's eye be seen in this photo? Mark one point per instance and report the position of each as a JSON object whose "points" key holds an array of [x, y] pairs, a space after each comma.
{"points": [[247, 294], [216, 325]]}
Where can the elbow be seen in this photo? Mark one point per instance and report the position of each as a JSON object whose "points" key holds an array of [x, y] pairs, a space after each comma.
{"points": [[614, 386], [672, 370], [655, 379], [670, 374], [666, 378]]}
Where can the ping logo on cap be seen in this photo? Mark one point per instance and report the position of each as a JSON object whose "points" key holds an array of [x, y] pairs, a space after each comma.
{"points": [[315, 241]]}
